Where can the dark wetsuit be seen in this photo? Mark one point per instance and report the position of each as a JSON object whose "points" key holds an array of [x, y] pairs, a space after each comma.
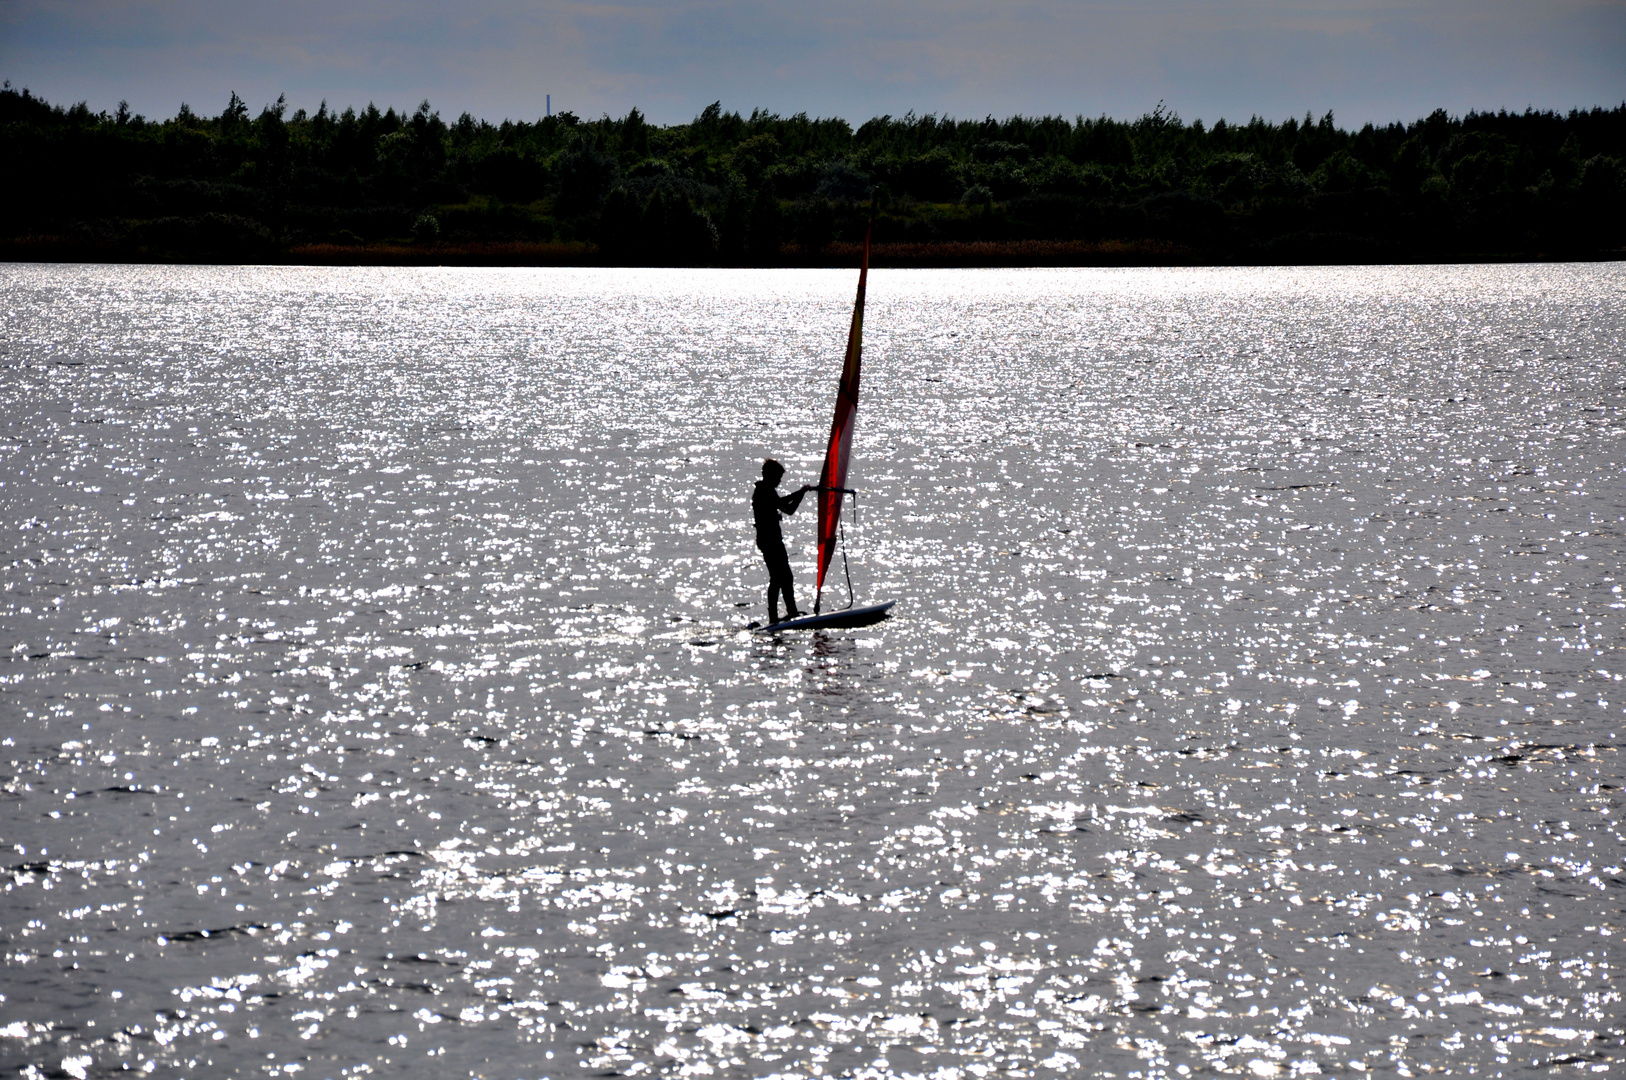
{"points": [[766, 506]]}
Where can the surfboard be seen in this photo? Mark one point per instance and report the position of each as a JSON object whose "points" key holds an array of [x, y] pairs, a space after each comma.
{"points": [[833, 620]]}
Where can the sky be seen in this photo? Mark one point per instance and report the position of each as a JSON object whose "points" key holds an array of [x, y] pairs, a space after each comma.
{"points": [[1365, 60]]}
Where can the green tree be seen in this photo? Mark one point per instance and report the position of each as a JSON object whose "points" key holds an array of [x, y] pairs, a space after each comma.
{"points": [[766, 233]]}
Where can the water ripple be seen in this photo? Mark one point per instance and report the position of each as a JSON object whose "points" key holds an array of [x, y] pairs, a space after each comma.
{"points": [[378, 696]]}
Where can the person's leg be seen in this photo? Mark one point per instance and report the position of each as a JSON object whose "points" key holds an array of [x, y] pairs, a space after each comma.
{"points": [[788, 587], [773, 581], [780, 582]]}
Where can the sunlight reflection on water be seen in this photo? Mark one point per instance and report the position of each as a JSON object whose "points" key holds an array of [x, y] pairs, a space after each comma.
{"points": [[377, 696]]}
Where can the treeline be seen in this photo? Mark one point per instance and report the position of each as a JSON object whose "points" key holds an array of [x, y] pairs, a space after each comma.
{"points": [[764, 189]]}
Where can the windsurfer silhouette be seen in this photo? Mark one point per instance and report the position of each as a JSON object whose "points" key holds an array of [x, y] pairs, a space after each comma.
{"points": [[766, 506]]}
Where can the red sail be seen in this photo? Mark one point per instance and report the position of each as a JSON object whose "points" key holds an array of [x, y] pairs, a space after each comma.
{"points": [[839, 452]]}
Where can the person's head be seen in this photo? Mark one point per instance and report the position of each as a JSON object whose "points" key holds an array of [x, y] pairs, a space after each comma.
{"points": [[773, 472]]}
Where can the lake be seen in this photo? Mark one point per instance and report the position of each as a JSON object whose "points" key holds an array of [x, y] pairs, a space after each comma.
{"points": [[377, 697]]}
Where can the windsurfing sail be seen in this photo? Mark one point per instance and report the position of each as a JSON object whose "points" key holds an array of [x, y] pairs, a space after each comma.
{"points": [[833, 481]]}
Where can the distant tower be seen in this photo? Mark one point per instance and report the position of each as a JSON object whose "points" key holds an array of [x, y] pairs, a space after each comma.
{"points": [[550, 104]]}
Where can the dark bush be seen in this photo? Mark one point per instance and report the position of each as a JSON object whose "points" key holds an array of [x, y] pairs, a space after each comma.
{"points": [[209, 238]]}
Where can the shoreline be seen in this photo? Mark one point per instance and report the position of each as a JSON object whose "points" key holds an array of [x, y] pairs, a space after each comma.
{"points": [[958, 255]]}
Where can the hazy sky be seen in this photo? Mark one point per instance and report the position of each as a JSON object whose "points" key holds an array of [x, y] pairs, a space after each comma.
{"points": [[1374, 60]]}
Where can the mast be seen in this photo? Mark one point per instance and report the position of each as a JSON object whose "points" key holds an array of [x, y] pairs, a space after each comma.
{"points": [[837, 454]]}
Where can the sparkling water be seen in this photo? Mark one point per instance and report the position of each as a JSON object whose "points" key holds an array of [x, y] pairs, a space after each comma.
{"points": [[378, 697]]}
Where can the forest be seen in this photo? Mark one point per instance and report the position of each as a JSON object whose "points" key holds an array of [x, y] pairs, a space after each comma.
{"points": [[392, 187]]}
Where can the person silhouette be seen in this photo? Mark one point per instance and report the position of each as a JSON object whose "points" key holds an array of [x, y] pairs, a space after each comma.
{"points": [[766, 506]]}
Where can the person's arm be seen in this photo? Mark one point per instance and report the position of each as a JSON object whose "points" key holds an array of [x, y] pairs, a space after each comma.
{"points": [[790, 502]]}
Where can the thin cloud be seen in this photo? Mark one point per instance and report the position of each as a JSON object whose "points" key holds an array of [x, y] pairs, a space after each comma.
{"points": [[1380, 60]]}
